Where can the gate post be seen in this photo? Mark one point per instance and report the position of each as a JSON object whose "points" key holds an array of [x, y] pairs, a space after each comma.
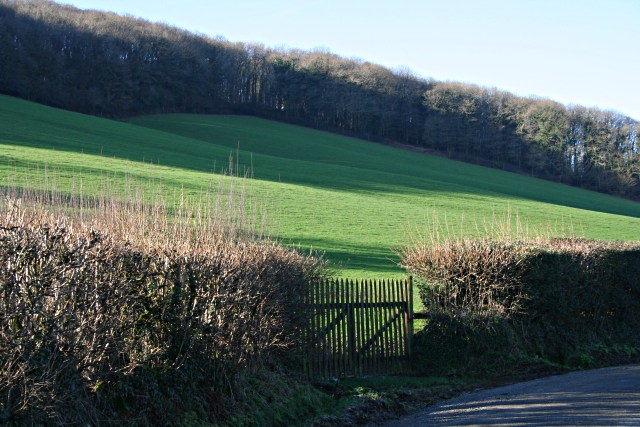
{"points": [[410, 314]]}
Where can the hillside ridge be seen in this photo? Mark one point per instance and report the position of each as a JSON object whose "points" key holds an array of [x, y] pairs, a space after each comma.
{"points": [[118, 66]]}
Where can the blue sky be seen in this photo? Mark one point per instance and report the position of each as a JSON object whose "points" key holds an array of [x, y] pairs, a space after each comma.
{"points": [[574, 51]]}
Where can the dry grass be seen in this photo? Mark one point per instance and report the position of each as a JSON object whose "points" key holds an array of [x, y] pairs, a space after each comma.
{"points": [[141, 211]]}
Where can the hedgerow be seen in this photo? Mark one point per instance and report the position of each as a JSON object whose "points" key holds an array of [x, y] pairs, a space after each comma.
{"points": [[491, 301], [102, 323]]}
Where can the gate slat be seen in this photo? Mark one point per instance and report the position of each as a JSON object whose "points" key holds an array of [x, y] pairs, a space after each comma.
{"points": [[308, 338], [335, 328], [379, 343], [409, 333], [325, 349], [374, 315], [344, 332], [361, 329], [340, 330], [390, 310], [368, 327], [386, 342], [398, 328], [378, 317], [349, 327], [316, 327], [393, 354], [399, 334]]}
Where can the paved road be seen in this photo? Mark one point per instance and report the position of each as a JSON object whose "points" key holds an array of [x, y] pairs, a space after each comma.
{"points": [[600, 397]]}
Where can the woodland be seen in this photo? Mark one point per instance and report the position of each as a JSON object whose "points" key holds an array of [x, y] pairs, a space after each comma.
{"points": [[109, 65]]}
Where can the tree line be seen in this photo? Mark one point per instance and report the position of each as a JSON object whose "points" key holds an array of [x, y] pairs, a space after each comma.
{"points": [[105, 64]]}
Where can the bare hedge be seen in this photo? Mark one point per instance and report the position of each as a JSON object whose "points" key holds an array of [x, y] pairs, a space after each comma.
{"points": [[82, 313], [546, 298]]}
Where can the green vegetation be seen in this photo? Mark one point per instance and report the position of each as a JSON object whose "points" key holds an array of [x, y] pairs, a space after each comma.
{"points": [[355, 200]]}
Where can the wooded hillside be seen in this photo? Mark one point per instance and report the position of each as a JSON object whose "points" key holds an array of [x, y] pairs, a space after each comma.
{"points": [[105, 64]]}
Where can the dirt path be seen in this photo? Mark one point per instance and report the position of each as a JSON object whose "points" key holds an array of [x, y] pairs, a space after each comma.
{"points": [[600, 397]]}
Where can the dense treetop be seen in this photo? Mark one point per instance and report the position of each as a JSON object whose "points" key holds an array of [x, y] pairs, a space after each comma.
{"points": [[105, 64]]}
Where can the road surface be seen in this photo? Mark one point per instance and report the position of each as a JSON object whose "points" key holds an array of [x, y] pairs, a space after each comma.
{"points": [[599, 397]]}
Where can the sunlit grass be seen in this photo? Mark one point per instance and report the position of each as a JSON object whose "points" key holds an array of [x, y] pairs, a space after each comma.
{"points": [[354, 200]]}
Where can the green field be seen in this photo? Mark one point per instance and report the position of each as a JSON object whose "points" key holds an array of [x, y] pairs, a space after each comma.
{"points": [[352, 199]]}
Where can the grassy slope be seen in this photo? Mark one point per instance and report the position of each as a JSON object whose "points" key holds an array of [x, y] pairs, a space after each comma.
{"points": [[353, 199]]}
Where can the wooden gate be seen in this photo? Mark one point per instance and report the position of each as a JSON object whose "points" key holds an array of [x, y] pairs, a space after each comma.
{"points": [[358, 327]]}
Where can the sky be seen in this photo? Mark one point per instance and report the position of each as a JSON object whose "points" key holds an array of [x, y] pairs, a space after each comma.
{"points": [[583, 52]]}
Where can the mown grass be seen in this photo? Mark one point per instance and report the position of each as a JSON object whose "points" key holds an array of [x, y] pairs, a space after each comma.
{"points": [[352, 199]]}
